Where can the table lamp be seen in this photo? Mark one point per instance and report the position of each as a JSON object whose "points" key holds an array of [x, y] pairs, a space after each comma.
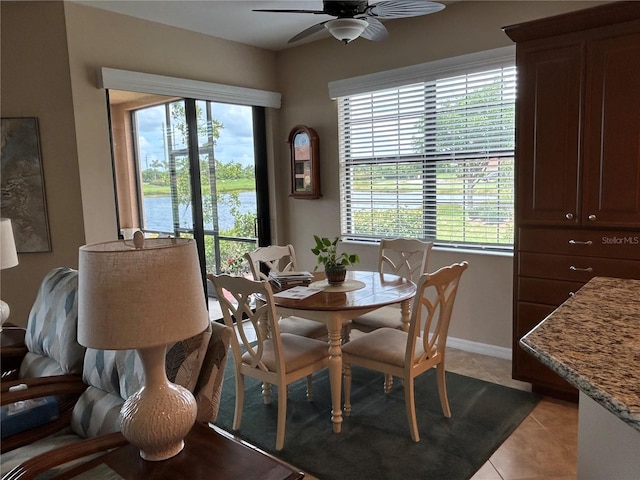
{"points": [[8, 258], [145, 294]]}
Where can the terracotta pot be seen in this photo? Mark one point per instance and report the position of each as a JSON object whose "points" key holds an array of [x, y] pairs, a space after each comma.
{"points": [[336, 275]]}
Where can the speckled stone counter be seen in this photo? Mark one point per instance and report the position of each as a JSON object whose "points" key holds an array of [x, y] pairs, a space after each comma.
{"points": [[593, 341]]}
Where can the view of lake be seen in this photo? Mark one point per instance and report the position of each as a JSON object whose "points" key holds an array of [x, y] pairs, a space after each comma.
{"points": [[159, 217]]}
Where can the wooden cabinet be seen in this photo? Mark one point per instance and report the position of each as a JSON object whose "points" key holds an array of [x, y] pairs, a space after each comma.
{"points": [[579, 131], [577, 164]]}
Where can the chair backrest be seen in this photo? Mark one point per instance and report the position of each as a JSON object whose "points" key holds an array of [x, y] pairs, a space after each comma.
{"points": [[275, 258], [52, 328], [407, 257], [196, 363], [237, 297], [431, 311]]}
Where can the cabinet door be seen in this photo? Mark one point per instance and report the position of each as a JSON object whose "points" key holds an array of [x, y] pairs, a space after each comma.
{"points": [[548, 133], [611, 195]]}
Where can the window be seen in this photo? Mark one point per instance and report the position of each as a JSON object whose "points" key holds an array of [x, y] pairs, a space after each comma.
{"points": [[431, 160], [227, 198], [189, 160]]}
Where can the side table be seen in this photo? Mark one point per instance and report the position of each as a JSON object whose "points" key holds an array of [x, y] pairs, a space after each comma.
{"points": [[12, 349], [208, 453]]}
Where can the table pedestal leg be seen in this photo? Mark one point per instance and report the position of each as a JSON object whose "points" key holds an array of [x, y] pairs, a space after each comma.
{"points": [[405, 314], [335, 376]]}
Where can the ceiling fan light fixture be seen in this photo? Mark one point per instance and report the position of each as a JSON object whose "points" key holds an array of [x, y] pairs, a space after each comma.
{"points": [[346, 29]]}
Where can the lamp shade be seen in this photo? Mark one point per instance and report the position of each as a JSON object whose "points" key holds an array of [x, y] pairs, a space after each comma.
{"points": [[346, 29], [133, 298], [8, 253]]}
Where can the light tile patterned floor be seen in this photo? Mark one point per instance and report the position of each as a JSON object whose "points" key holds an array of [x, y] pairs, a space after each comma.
{"points": [[543, 447]]}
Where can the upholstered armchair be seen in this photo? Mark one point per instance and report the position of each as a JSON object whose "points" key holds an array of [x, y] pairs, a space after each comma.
{"points": [[51, 334], [53, 358], [196, 363]]}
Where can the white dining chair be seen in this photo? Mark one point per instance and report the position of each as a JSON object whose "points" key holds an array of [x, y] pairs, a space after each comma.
{"points": [[278, 359], [278, 258], [409, 354], [407, 257]]}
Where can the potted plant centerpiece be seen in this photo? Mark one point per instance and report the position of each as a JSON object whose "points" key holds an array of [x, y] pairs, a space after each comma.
{"points": [[335, 265]]}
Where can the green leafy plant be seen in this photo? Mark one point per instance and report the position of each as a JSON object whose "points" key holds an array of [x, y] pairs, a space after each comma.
{"points": [[326, 252]]}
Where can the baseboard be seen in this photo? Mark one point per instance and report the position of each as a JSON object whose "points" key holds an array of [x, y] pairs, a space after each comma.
{"points": [[481, 348]]}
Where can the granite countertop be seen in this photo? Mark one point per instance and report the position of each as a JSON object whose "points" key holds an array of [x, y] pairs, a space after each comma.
{"points": [[593, 341]]}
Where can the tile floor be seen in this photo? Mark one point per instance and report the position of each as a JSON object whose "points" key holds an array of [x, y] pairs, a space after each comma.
{"points": [[545, 444], [543, 447]]}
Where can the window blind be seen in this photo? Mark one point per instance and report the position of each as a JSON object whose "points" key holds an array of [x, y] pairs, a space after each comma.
{"points": [[431, 160]]}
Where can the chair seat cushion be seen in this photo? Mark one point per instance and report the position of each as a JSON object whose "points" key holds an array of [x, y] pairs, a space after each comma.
{"points": [[302, 326], [298, 352], [388, 316], [386, 345]]}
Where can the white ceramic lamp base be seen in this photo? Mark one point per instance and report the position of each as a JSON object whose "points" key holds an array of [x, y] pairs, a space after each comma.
{"points": [[158, 416], [4, 311]]}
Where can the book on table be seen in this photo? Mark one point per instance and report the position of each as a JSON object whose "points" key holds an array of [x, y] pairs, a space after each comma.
{"points": [[285, 280]]}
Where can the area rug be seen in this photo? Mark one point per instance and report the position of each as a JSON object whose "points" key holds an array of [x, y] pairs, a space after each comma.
{"points": [[375, 442]]}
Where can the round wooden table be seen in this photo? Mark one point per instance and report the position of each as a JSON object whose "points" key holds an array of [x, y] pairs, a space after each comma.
{"points": [[367, 291]]}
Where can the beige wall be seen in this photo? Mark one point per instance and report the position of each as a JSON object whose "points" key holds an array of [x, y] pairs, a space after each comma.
{"points": [[50, 54], [101, 39], [40, 77], [35, 83], [483, 312]]}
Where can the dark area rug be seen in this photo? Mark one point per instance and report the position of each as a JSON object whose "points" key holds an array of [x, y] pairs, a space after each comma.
{"points": [[375, 442]]}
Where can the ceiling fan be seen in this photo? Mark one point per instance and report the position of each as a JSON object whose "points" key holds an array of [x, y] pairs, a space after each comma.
{"points": [[359, 19]]}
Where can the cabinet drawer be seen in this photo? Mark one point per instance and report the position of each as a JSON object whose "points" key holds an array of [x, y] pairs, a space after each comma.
{"points": [[575, 269], [547, 292], [622, 244]]}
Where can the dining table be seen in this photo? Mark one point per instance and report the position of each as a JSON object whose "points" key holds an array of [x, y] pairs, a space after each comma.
{"points": [[336, 305]]}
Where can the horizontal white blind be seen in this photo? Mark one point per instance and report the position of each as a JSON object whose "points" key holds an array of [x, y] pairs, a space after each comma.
{"points": [[431, 160]]}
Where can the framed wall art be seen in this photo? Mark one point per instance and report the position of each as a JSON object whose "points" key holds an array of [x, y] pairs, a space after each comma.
{"points": [[22, 184]]}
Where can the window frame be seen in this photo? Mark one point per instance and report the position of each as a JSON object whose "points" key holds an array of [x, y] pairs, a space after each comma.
{"points": [[427, 76]]}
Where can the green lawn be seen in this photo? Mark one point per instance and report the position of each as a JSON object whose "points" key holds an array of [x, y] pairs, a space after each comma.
{"points": [[224, 186]]}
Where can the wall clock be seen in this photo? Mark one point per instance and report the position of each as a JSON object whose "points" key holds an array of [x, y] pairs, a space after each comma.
{"points": [[305, 163]]}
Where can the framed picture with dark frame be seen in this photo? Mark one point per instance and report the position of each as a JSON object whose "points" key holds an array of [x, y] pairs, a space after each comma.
{"points": [[22, 184]]}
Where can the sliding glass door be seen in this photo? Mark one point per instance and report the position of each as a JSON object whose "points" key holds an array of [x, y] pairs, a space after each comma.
{"points": [[187, 168]]}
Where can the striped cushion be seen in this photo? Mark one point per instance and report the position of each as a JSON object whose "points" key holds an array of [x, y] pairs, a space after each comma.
{"points": [[209, 388], [114, 376], [52, 328]]}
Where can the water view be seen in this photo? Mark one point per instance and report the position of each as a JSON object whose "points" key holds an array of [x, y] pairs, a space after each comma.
{"points": [[159, 217]]}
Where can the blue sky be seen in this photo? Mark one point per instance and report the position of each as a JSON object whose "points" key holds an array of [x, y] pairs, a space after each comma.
{"points": [[234, 144]]}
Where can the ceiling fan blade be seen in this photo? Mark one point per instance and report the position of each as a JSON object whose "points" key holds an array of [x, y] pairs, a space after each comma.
{"points": [[375, 31], [309, 31], [403, 8], [316, 12]]}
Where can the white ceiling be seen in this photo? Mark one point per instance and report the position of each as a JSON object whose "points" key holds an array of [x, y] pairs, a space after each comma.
{"points": [[228, 19]]}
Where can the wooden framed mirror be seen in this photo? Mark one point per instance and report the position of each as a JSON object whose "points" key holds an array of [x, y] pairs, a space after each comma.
{"points": [[305, 163]]}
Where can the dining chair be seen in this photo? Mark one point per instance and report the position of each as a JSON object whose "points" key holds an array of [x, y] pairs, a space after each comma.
{"points": [[278, 359], [408, 354], [278, 258], [407, 257]]}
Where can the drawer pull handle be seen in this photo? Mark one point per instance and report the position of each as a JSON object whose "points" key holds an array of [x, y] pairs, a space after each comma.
{"points": [[591, 218], [571, 294], [569, 216], [580, 242], [578, 269]]}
